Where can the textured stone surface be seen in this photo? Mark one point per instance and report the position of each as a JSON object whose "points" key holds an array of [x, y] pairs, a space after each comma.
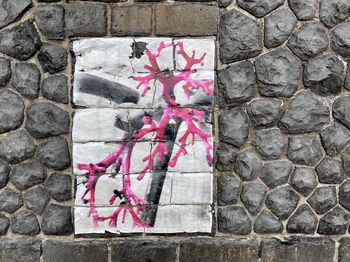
{"points": [[234, 127], [10, 200], [16, 146], [304, 180], [323, 199], [279, 27], [282, 201], [335, 222], [4, 224], [266, 223], [344, 250], [52, 58], [55, 88], [229, 188], [259, 8], [340, 41], [25, 223], [276, 173], [11, 110], [335, 138], [270, 143], [224, 3], [20, 250], [303, 221], [57, 220], [54, 153], [5, 71], [278, 73], [50, 20], [26, 175], [20, 42], [310, 41], [237, 83], [253, 196], [347, 79], [12, 10], [36, 199], [234, 219], [344, 194], [4, 173], [304, 10], [26, 79], [225, 156], [59, 186], [341, 110], [240, 37], [248, 164], [332, 12], [45, 119], [330, 171], [264, 112], [304, 150], [345, 156], [304, 114], [324, 75]]}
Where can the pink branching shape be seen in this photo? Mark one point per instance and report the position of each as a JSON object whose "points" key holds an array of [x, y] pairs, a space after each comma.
{"points": [[129, 201]]}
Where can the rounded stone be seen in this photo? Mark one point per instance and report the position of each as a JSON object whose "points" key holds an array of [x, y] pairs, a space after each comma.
{"points": [[55, 88], [225, 157], [266, 223], [304, 150], [304, 10], [4, 173], [45, 119], [332, 12], [4, 224], [335, 222], [276, 173], [330, 171], [26, 175], [59, 187], [264, 112], [224, 3], [25, 223], [52, 58], [344, 194], [10, 200], [340, 39], [50, 20], [324, 75], [304, 180], [11, 110], [282, 202], [323, 199], [5, 71], [335, 138], [57, 220], [248, 164], [270, 143], [253, 196], [341, 110], [36, 199], [279, 27], [26, 79], [305, 114], [234, 219], [259, 8], [12, 10], [345, 156], [303, 221], [54, 153], [310, 41], [278, 73]]}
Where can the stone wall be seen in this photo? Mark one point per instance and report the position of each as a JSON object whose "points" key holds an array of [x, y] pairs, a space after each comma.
{"points": [[282, 119]]}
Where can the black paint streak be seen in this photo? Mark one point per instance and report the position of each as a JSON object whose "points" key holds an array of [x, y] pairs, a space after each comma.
{"points": [[138, 49]]}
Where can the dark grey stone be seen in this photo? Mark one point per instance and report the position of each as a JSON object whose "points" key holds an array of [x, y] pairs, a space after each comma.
{"points": [[345, 156], [76, 251], [276, 173], [4, 224], [304, 10], [224, 3], [330, 171], [229, 188], [335, 222], [332, 12], [5, 71], [344, 194], [26, 175], [305, 150], [340, 42], [234, 219], [52, 58], [344, 250], [335, 138], [36, 199], [12, 10], [55, 88], [20, 250], [303, 221], [11, 110], [16, 147], [304, 180], [237, 82], [50, 20], [253, 196], [54, 153], [45, 119], [304, 114], [266, 223], [26, 79], [278, 73], [264, 112], [270, 143], [4, 173], [310, 41], [282, 201], [279, 27], [323, 199], [234, 127], [324, 75], [86, 20], [57, 220], [240, 37], [259, 8], [341, 110], [21, 41], [225, 157], [59, 186], [248, 164], [347, 79], [25, 223], [10, 200]]}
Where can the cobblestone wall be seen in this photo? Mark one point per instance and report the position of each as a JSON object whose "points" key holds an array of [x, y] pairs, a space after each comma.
{"points": [[282, 119]]}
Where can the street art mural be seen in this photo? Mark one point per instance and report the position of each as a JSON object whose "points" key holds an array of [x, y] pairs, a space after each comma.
{"points": [[142, 135]]}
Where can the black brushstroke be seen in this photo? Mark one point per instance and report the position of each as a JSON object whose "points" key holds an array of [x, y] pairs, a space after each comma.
{"points": [[138, 49]]}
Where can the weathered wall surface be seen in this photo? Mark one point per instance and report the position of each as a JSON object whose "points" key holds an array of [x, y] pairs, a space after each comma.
{"points": [[282, 110]]}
